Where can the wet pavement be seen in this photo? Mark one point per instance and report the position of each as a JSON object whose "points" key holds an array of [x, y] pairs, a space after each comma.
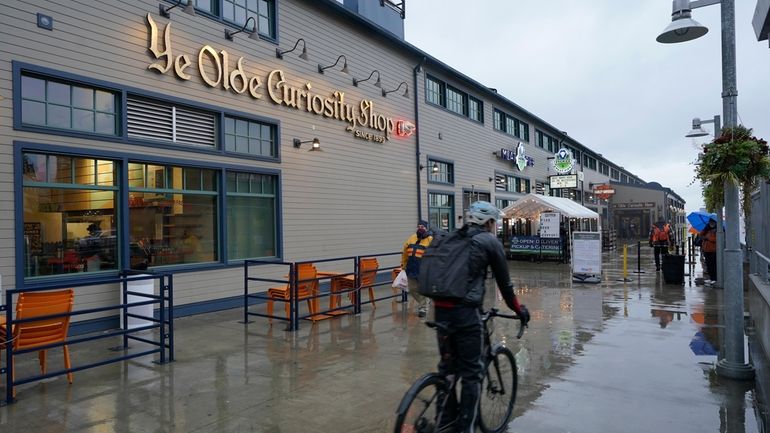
{"points": [[611, 357]]}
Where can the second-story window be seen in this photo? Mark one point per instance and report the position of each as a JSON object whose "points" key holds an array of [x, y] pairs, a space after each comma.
{"points": [[439, 171], [439, 93], [263, 11], [511, 125]]}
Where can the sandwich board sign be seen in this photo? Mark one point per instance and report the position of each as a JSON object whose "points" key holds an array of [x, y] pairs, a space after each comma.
{"points": [[586, 257]]}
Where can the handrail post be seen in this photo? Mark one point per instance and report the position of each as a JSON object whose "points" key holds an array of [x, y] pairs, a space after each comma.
{"points": [[162, 329], [8, 348], [170, 298], [293, 301], [245, 291], [357, 284], [125, 309]]}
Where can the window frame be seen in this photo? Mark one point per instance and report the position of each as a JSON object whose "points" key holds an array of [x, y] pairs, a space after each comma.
{"points": [[18, 100], [122, 92], [511, 125], [452, 207], [121, 209], [443, 95], [445, 162], [218, 15]]}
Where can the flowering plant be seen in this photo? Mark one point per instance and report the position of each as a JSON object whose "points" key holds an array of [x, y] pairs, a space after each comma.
{"points": [[735, 156]]}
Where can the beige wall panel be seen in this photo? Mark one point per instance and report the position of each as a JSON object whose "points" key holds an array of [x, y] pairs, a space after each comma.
{"points": [[355, 197]]}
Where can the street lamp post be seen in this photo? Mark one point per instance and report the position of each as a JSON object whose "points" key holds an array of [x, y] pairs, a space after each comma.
{"points": [[698, 131], [682, 29]]}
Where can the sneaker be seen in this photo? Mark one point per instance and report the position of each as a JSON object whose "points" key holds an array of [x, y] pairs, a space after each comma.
{"points": [[709, 282], [422, 312]]}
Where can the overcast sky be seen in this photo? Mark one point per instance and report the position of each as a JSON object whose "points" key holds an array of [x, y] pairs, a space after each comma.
{"points": [[593, 68]]}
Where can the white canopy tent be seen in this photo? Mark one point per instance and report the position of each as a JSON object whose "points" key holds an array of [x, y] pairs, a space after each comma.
{"points": [[532, 205]]}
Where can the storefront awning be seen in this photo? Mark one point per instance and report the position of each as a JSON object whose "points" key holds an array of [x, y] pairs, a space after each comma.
{"points": [[532, 205]]}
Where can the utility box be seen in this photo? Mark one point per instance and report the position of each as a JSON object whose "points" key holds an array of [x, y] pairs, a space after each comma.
{"points": [[673, 269]]}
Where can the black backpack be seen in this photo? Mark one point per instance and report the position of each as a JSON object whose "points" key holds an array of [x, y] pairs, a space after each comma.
{"points": [[444, 268]]}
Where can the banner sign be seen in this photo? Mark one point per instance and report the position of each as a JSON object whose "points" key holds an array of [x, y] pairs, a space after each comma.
{"points": [[535, 245], [637, 205]]}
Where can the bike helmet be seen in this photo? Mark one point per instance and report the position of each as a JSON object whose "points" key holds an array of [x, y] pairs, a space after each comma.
{"points": [[481, 211]]}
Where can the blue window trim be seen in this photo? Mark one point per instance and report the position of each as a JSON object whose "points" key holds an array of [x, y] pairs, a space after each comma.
{"points": [[218, 18], [121, 209], [444, 85], [428, 192], [122, 94], [515, 119], [430, 158]]}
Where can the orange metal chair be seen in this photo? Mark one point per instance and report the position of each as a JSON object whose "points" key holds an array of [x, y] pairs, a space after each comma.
{"points": [[367, 276], [43, 332], [307, 286]]}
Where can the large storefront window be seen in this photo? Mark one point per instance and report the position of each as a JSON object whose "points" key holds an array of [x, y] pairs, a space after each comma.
{"points": [[172, 215], [69, 215], [251, 215], [441, 211]]}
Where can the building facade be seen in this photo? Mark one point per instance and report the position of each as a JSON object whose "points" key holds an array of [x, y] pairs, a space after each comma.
{"points": [[186, 143]]}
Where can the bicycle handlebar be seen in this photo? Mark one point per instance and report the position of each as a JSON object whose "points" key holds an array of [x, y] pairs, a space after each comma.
{"points": [[494, 312]]}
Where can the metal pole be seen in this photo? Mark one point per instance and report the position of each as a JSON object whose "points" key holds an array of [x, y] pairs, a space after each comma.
{"points": [[733, 364]]}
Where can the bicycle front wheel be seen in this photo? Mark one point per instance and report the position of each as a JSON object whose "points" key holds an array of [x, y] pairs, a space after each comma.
{"points": [[498, 391], [421, 409]]}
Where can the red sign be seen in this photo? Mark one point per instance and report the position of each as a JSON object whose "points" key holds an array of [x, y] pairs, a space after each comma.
{"points": [[404, 128], [603, 192]]}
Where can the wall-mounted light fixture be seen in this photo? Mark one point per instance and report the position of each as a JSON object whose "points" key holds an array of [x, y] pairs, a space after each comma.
{"points": [[403, 83], [316, 143], [376, 83], [433, 168], [279, 54], [344, 65], [253, 34], [189, 9]]}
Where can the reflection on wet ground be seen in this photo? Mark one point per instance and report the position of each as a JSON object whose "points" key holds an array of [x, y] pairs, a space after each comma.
{"points": [[610, 357]]}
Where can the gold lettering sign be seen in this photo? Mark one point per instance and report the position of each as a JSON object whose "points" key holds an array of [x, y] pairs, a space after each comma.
{"points": [[214, 68]]}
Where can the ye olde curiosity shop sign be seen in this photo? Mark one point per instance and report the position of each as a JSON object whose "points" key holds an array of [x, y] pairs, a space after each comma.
{"points": [[216, 70]]}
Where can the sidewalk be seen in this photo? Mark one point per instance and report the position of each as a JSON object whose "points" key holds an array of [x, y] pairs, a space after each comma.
{"points": [[611, 357]]}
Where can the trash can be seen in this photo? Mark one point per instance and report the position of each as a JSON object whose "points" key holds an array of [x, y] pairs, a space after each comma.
{"points": [[673, 269]]}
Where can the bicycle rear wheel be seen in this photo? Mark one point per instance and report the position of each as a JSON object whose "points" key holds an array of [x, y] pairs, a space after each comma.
{"points": [[498, 391], [421, 408]]}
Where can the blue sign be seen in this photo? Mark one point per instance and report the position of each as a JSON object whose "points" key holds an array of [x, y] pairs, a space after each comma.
{"points": [[535, 245]]}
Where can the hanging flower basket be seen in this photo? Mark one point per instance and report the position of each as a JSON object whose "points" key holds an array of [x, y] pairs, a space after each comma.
{"points": [[735, 156]]}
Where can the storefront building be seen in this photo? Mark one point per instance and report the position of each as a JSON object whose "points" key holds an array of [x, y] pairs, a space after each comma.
{"points": [[132, 140], [636, 207]]}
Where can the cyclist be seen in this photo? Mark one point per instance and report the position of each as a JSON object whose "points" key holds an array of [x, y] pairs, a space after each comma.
{"points": [[460, 345]]}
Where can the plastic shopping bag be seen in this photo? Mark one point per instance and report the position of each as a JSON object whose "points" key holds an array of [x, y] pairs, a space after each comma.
{"points": [[400, 281]]}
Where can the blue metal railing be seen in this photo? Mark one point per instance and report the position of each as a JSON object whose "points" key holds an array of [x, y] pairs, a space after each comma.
{"points": [[164, 323]]}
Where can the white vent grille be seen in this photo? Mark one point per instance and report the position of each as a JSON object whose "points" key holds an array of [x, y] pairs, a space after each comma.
{"points": [[156, 120]]}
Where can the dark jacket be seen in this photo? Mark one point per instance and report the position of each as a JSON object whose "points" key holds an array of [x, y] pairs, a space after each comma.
{"points": [[486, 251]]}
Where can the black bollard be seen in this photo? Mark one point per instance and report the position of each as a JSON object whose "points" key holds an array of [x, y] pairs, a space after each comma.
{"points": [[639, 258]]}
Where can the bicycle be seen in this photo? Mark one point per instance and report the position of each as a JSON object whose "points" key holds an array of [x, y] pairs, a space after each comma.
{"points": [[423, 407]]}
